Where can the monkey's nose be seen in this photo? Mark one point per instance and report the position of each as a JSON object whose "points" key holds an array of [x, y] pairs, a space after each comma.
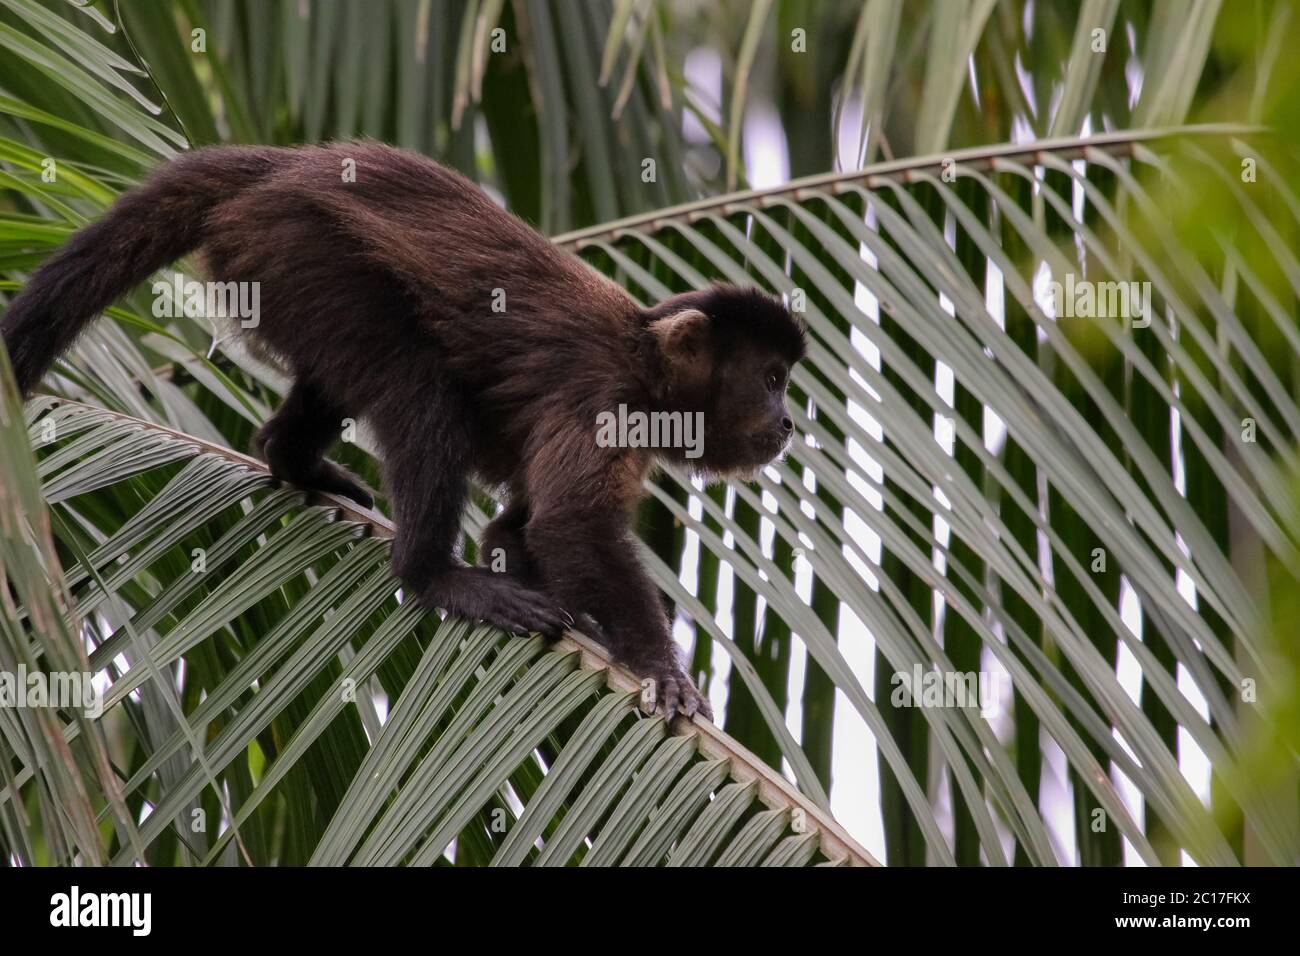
{"points": [[787, 425]]}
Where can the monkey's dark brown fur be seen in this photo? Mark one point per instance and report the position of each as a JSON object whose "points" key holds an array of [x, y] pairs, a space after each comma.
{"points": [[377, 295]]}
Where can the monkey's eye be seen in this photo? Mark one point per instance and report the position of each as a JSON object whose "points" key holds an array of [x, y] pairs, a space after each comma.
{"points": [[774, 380]]}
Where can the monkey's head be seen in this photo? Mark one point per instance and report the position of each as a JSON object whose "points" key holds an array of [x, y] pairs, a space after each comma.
{"points": [[726, 353]]}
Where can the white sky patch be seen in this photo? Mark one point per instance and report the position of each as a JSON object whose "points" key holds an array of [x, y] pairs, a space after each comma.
{"points": [[1042, 293], [1192, 760], [855, 794], [1129, 675], [1132, 66], [703, 69], [1078, 202], [849, 138], [1026, 80], [995, 430], [689, 576], [767, 159], [802, 570], [684, 630], [1001, 722], [1055, 798], [1021, 130], [944, 430]]}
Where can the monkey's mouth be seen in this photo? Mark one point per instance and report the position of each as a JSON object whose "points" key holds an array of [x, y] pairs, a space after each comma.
{"points": [[767, 449], [778, 443]]}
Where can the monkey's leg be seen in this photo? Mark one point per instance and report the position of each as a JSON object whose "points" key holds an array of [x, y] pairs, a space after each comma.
{"points": [[587, 559], [502, 547], [295, 439], [426, 443]]}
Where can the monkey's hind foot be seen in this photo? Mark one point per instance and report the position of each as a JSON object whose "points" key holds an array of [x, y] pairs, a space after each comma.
{"points": [[496, 599], [336, 479], [318, 475], [330, 478]]}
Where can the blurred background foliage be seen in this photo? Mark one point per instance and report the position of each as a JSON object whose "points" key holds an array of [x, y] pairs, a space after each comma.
{"points": [[965, 453]]}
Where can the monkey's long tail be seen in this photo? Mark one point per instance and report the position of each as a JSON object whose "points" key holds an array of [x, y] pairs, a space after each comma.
{"points": [[145, 229]]}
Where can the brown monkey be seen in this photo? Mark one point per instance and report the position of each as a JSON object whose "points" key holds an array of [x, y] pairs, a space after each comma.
{"points": [[472, 345]]}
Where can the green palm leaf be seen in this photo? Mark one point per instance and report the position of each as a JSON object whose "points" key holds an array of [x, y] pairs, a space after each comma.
{"points": [[966, 453], [474, 709]]}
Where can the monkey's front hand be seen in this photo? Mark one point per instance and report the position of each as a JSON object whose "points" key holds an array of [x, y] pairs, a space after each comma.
{"points": [[675, 692], [615, 600], [665, 682], [661, 668]]}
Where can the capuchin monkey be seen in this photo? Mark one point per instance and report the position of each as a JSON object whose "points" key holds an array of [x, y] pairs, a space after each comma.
{"points": [[395, 289]]}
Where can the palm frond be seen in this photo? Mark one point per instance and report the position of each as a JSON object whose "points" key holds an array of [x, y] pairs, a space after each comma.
{"points": [[983, 483], [505, 749], [874, 254]]}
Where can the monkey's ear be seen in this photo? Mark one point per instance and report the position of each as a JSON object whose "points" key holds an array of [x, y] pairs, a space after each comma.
{"points": [[683, 337]]}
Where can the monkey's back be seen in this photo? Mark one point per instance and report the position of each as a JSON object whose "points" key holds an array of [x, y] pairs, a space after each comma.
{"points": [[374, 262]]}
